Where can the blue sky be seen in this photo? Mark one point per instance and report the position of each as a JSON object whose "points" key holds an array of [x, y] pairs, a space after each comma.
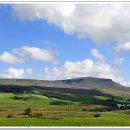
{"points": [[45, 42]]}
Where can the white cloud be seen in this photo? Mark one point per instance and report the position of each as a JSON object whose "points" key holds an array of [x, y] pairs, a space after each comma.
{"points": [[70, 70], [13, 73], [35, 53], [98, 56], [81, 69], [100, 21], [25, 53], [9, 58], [123, 47]]}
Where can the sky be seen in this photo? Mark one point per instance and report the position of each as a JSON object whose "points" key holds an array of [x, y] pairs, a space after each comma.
{"points": [[51, 41]]}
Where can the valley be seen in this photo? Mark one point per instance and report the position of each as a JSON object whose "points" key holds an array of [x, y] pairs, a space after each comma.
{"points": [[72, 102]]}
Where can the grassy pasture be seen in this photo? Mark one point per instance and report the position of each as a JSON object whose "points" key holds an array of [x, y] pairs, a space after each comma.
{"points": [[62, 109], [113, 119]]}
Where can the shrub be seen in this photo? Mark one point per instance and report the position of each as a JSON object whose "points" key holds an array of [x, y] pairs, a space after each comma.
{"points": [[27, 111], [9, 116], [54, 118], [84, 109], [16, 97], [123, 108], [109, 109], [6, 91], [33, 93], [97, 115], [37, 115]]}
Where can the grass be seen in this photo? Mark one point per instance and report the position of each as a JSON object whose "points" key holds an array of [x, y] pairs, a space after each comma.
{"points": [[62, 109], [78, 121]]}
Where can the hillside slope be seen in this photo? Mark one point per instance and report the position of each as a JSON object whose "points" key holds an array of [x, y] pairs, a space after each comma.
{"points": [[76, 83]]}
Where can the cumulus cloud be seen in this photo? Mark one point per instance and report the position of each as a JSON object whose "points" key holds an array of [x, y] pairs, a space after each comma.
{"points": [[9, 58], [98, 56], [25, 53], [100, 21], [70, 70], [13, 73], [123, 47], [35, 53], [81, 69]]}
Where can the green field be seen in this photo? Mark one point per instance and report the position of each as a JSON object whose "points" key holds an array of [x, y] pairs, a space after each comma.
{"points": [[102, 121], [62, 109]]}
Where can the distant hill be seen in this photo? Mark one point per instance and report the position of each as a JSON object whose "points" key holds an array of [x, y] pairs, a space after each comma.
{"points": [[75, 83], [91, 82]]}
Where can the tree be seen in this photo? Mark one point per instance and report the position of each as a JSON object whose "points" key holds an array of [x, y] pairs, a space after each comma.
{"points": [[27, 111], [16, 97], [121, 98]]}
